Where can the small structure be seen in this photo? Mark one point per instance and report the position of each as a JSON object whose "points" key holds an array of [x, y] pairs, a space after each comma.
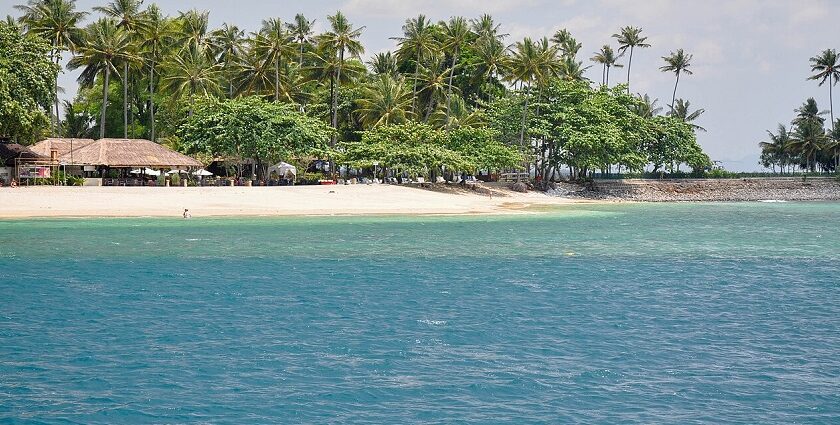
{"points": [[18, 161], [114, 158]]}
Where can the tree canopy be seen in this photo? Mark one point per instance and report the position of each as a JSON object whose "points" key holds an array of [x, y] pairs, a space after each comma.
{"points": [[27, 88]]}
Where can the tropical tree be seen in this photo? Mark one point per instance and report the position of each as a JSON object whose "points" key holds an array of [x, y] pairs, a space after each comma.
{"points": [[629, 38], [27, 77], [194, 31], [191, 73], [301, 30], [808, 140], [417, 43], [131, 19], [228, 43], [678, 62], [103, 47], [608, 59], [647, 107], [569, 47], [342, 39], [682, 109], [272, 45], [384, 101], [384, 64], [58, 22], [433, 84], [156, 37], [775, 150], [825, 66], [456, 32]]}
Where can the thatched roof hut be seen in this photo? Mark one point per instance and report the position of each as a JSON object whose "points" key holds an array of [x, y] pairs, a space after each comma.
{"points": [[119, 153], [62, 146], [9, 152]]}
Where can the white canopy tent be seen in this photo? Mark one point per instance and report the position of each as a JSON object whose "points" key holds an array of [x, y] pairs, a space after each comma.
{"points": [[282, 168], [202, 173]]}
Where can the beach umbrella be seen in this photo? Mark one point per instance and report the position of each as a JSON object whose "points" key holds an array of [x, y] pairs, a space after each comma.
{"points": [[147, 171], [202, 173], [176, 172]]}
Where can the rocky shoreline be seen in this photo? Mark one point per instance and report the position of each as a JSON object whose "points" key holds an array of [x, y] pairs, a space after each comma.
{"points": [[704, 190]]}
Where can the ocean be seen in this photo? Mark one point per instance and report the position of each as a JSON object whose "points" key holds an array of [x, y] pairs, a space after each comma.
{"points": [[634, 313]]}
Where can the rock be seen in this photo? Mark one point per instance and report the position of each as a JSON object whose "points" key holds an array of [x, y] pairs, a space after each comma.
{"points": [[519, 187]]}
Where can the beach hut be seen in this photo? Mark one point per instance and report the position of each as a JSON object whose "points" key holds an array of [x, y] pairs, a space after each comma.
{"points": [[18, 161], [115, 157]]}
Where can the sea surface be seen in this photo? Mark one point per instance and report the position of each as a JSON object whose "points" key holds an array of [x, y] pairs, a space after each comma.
{"points": [[672, 313]]}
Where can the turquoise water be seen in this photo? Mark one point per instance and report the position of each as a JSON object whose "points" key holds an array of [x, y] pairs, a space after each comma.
{"points": [[694, 313]]}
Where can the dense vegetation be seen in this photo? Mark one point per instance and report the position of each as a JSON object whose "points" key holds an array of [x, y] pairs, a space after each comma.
{"points": [[807, 144], [27, 85], [455, 95]]}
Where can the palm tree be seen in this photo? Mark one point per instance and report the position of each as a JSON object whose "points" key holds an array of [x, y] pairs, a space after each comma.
{"points": [[194, 30], [417, 43], [104, 45], [384, 64], [157, 35], [384, 101], [677, 62], [301, 30], [682, 109], [131, 19], [809, 112], [460, 116], [646, 107], [807, 140], [228, 45], [572, 70], [432, 80], [630, 38], [56, 21], [455, 33], [608, 59], [525, 69], [273, 44], [486, 29], [826, 67], [340, 40], [493, 60], [776, 149], [568, 46], [191, 73]]}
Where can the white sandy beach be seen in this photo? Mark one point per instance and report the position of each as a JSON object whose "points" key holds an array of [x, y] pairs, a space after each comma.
{"points": [[48, 201]]}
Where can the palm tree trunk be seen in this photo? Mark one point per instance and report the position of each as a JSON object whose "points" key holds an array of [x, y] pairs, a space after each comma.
{"points": [[608, 75], [335, 93], [152, 99], [104, 101], [674, 98], [629, 64], [57, 120], [522, 129], [830, 100], [277, 80], [125, 100], [449, 89], [416, 72]]}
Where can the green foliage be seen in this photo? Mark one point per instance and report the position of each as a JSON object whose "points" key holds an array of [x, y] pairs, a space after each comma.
{"points": [[418, 148], [175, 179], [27, 85], [252, 128]]}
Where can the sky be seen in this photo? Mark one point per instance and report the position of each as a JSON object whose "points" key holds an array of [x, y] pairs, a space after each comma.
{"points": [[750, 56]]}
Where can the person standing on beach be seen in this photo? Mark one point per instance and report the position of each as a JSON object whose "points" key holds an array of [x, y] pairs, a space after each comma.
{"points": [[187, 214]]}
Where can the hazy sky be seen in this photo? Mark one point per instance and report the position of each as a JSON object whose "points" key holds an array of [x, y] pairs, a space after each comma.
{"points": [[750, 57]]}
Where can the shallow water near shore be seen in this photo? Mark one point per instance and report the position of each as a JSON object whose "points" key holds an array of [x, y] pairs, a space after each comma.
{"points": [[628, 313]]}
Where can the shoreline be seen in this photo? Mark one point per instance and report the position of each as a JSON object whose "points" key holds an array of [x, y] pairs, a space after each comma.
{"points": [[295, 201], [387, 200]]}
